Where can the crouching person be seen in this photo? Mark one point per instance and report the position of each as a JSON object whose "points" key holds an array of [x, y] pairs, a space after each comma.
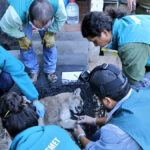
{"points": [[12, 71], [20, 120], [127, 124]]}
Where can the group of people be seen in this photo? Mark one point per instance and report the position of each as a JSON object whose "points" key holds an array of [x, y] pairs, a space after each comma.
{"points": [[125, 94], [20, 115]]}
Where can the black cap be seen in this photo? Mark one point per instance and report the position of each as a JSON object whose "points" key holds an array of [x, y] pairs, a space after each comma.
{"points": [[109, 80]]}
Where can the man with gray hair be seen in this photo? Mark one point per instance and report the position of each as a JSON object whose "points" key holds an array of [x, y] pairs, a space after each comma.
{"points": [[47, 16]]}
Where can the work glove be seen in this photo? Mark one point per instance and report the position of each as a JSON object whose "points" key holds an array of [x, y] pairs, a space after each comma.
{"points": [[87, 120], [78, 132], [48, 39], [40, 109], [25, 43]]}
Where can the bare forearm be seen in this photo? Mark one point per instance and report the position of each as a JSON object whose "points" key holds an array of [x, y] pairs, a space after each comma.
{"points": [[84, 141], [100, 120]]}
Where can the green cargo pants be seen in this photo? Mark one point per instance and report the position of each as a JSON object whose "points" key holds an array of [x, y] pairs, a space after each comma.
{"points": [[134, 57]]}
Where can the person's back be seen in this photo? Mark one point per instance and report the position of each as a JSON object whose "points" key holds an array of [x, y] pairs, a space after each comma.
{"points": [[19, 118], [43, 137], [131, 39], [132, 117], [125, 29], [22, 7]]}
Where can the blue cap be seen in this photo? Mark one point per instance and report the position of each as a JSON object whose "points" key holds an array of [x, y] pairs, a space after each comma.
{"points": [[108, 80]]}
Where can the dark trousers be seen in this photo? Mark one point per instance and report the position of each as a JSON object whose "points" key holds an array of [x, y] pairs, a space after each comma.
{"points": [[6, 82]]}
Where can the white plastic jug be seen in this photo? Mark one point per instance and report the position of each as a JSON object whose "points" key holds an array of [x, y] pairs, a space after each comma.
{"points": [[72, 12]]}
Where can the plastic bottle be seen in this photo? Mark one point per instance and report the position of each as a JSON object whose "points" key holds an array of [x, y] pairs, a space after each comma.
{"points": [[72, 12]]}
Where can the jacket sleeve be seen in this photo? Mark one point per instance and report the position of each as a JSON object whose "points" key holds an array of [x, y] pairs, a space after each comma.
{"points": [[15, 68], [59, 18], [11, 23], [111, 137], [114, 44]]}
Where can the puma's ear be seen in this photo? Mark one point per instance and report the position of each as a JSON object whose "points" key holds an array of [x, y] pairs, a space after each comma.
{"points": [[77, 92]]}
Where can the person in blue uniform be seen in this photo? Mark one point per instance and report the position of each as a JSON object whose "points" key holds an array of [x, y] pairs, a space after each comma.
{"points": [[128, 34], [12, 71], [21, 122], [47, 16], [126, 126]]}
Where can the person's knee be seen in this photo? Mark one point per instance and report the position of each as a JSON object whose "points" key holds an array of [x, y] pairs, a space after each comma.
{"points": [[6, 82]]}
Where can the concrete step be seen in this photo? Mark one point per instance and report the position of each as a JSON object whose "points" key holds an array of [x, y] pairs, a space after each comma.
{"points": [[65, 47], [70, 36], [62, 36], [63, 59], [72, 48], [73, 60]]}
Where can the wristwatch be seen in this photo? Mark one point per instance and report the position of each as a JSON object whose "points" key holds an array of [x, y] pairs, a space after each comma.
{"points": [[80, 136]]}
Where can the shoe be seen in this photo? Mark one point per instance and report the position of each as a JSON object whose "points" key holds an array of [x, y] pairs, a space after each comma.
{"points": [[33, 76], [52, 77]]}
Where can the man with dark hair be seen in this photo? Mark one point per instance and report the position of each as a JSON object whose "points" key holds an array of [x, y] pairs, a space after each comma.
{"points": [[128, 34], [20, 120], [127, 124], [47, 16]]}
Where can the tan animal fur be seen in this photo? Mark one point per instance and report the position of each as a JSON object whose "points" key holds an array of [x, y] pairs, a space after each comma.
{"points": [[58, 108]]}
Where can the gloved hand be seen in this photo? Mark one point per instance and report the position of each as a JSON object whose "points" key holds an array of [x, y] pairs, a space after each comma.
{"points": [[87, 120], [40, 108], [48, 39], [78, 132], [25, 43]]}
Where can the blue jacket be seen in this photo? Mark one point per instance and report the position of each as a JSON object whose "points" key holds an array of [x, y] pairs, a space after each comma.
{"points": [[17, 14], [133, 117], [22, 7], [129, 29], [111, 137], [43, 138], [15, 68]]}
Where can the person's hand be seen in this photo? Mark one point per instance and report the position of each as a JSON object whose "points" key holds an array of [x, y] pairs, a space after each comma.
{"points": [[130, 3], [25, 43], [78, 131], [87, 120], [48, 39], [40, 108]]}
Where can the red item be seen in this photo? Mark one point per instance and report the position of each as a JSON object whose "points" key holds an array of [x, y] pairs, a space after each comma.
{"points": [[33, 28], [72, 1]]}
